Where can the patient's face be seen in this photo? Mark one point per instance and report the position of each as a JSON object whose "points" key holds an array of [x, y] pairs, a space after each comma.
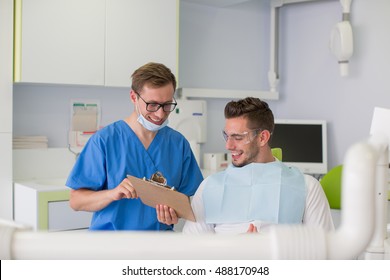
{"points": [[241, 142]]}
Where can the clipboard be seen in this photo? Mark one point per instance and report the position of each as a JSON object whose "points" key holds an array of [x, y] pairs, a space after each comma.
{"points": [[153, 194]]}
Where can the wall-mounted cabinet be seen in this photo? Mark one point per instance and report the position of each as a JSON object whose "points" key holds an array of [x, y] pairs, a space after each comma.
{"points": [[216, 3], [137, 32], [60, 41], [92, 42]]}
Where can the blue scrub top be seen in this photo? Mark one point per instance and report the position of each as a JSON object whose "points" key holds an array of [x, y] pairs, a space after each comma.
{"points": [[114, 152]]}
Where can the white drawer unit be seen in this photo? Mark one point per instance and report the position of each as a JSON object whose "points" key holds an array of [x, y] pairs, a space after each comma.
{"points": [[44, 205]]}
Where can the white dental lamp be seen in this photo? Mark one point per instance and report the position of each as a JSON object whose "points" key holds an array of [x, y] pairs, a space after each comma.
{"points": [[341, 39]]}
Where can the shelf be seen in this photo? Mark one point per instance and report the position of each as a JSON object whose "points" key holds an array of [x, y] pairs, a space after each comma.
{"points": [[224, 93]]}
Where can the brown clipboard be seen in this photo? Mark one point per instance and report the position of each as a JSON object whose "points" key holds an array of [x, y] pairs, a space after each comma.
{"points": [[152, 194]]}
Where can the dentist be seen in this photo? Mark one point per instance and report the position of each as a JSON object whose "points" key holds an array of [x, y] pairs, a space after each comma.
{"points": [[140, 145]]}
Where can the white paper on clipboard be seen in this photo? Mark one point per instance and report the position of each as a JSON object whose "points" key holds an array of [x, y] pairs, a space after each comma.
{"points": [[152, 194]]}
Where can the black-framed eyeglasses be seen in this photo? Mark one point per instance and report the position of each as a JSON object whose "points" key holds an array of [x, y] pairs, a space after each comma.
{"points": [[154, 107]]}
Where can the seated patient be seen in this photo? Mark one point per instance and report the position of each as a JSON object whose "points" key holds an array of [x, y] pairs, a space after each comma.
{"points": [[256, 190]]}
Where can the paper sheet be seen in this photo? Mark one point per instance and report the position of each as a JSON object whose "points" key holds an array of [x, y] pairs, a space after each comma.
{"points": [[85, 115], [151, 195]]}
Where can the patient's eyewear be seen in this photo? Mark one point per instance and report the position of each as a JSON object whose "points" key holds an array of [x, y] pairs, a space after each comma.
{"points": [[241, 138]]}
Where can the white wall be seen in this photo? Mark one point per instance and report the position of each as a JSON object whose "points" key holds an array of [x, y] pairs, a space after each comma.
{"points": [[310, 85], [224, 48], [229, 47], [45, 109], [6, 36]]}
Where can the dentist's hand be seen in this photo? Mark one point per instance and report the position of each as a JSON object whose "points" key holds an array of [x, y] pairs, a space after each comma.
{"points": [[92, 201], [252, 229], [166, 215], [124, 190]]}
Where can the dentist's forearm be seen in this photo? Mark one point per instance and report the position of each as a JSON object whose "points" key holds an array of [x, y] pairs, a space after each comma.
{"points": [[88, 200]]}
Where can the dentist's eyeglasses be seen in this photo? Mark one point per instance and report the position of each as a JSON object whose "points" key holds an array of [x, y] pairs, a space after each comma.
{"points": [[241, 138], [154, 107]]}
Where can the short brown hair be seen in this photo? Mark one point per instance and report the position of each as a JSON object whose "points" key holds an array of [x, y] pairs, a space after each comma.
{"points": [[256, 111], [154, 75]]}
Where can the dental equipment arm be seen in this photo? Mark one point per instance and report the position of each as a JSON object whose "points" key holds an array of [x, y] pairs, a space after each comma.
{"points": [[376, 248]]}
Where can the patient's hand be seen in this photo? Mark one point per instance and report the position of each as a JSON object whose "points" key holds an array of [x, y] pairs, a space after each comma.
{"points": [[252, 229], [166, 215]]}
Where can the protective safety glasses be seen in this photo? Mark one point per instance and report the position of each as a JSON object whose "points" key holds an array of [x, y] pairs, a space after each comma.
{"points": [[241, 138]]}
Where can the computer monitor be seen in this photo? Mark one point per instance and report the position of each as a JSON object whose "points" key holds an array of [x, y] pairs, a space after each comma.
{"points": [[303, 144]]}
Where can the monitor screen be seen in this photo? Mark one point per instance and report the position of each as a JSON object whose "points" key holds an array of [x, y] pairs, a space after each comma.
{"points": [[303, 144]]}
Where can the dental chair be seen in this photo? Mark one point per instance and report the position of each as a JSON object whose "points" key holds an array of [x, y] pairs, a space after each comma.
{"points": [[277, 152], [331, 184]]}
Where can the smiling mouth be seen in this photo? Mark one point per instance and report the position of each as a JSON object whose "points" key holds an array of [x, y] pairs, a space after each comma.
{"points": [[156, 121], [236, 155]]}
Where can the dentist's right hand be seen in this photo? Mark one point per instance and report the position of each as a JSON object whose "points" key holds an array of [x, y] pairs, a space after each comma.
{"points": [[124, 190], [89, 200]]}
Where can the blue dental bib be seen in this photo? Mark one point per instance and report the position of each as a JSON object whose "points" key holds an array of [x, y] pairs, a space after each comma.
{"points": [[270, 192]]}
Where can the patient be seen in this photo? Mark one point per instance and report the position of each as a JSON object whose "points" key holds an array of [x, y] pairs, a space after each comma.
{"points": [[256, 190]]}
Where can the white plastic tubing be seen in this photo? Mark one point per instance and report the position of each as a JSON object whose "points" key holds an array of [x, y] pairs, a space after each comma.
{"points": [[380, 196], [282, 242], [357, 217]]}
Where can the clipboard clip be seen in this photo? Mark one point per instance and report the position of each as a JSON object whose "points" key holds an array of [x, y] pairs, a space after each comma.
{"points": [[159, 180]]}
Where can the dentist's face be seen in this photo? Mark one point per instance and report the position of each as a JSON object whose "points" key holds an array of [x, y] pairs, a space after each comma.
{"points": [[241, 141], [153, 96]]}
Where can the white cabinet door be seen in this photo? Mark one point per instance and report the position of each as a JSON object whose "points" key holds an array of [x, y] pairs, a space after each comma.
{"points": [[62, 217], [62, 41], [6, 194], [6, 48], [139, 31]]}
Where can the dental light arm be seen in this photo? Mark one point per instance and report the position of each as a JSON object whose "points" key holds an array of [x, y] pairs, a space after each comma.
{"points": [[341, 39], [346, 5]]}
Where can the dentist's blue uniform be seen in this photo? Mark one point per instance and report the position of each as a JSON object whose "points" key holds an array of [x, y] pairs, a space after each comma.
{"points": [[114, 152]]}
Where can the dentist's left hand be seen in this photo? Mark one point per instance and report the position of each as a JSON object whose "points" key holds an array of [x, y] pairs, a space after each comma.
{"points": [[166, 215], [252, 229]]}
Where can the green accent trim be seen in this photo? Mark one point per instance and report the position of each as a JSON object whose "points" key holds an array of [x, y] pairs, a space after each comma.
{"points": [[84, 105], [17, 74], [43, 205]]}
